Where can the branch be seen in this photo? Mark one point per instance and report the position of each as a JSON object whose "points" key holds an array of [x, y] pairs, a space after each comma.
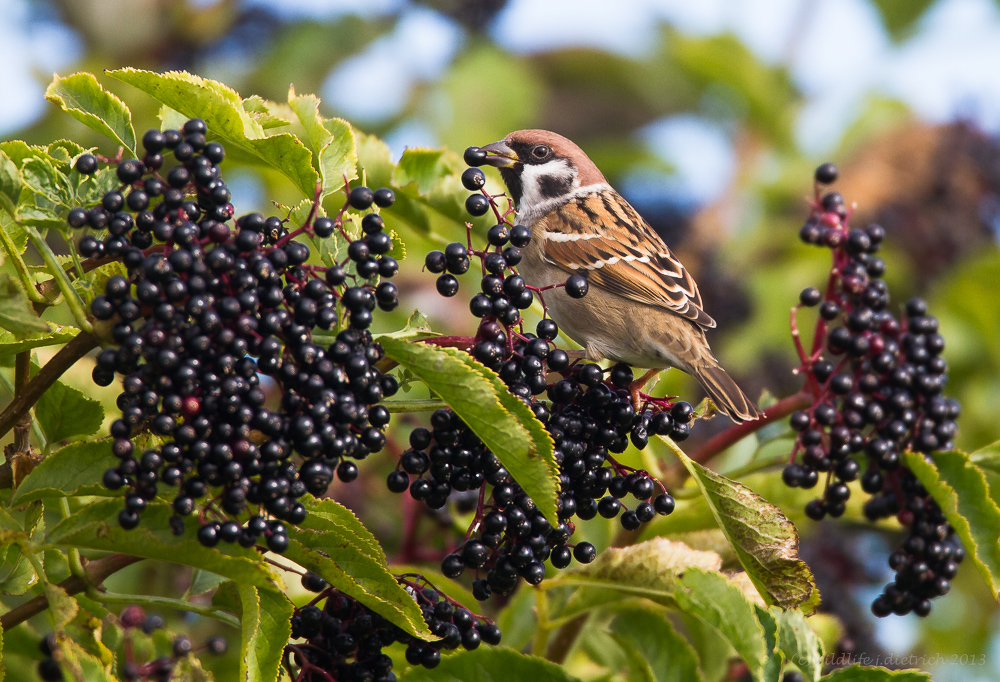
{"points": [[737, 432], [96, 573], [81, 344]]}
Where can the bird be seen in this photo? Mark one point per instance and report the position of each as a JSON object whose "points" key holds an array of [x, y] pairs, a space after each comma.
{"points": [[642, 307]]}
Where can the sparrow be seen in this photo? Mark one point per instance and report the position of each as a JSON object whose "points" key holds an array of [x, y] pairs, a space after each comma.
{"points": [[642, 308]]}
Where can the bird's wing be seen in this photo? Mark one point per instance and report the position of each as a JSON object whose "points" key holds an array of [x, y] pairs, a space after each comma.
{"points": [[601, 237]]}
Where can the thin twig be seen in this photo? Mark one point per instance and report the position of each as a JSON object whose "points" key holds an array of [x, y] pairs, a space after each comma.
{"points": [[737, 432], [96, 571], [67, 356]]}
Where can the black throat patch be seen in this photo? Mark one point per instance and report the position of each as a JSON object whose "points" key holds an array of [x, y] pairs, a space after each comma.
{"points": [[512, 178]]}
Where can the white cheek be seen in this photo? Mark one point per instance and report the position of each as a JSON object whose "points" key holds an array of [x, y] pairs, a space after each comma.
{"points": [[531, 175]]}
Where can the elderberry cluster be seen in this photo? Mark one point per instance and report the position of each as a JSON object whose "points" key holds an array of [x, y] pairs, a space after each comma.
{"points": [[876, 383], [588, 415], [205, 310], [344, 639], [134, 620]]}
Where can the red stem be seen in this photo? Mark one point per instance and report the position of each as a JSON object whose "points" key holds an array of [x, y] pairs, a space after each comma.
{"points": [[737, 432]]}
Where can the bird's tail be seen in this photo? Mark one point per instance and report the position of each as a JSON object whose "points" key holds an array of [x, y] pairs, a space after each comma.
{"points": [[724, 392]]}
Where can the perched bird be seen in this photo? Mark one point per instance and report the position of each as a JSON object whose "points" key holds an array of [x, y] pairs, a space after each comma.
{"points": [[642, 307]]}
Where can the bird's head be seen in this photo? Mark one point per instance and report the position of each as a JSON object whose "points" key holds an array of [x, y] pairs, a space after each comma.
{"points": [[538, 165]]}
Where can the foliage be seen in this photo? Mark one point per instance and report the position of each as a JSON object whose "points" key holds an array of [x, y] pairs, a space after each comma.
{"points": [[660, 609]]}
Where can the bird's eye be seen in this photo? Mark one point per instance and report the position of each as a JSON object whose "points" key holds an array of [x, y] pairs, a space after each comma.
{"points": [[541, 151]]}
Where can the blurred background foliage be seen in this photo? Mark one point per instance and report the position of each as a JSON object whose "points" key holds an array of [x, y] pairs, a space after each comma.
{"points": [[709, 117]]}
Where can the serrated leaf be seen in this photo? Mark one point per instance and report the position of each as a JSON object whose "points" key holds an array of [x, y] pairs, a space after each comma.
{"points": [[417, 327], [960, 488], [95, 526], [263, 112], [10, 184], [374, 160], [421, 167], [81, 666], [20, 151], [62, 608], [712, 598], [222, 109], [43, 178], [649, 570], [765, 541], [16, 313], [666, 652], [489, 664], [65, 151], [57, 334], [380, 592], [771, 669], [640, 669], [504, 423], [859, 673], [266, 628], [83, 98], [76, 469], [799, 643], [335, 155], [188, 669], [334, 544], [21, 575], [64, 412], [92, 188], [452, 588]]}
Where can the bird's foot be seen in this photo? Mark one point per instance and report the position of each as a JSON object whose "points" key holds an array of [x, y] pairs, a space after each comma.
{"points": [[635, 388]]}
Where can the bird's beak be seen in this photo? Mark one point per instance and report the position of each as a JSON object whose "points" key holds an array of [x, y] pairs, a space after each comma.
{"points": [[499, 155]]}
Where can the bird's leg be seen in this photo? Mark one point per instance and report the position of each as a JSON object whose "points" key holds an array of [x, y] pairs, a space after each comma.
{"points": [[636, 386]]}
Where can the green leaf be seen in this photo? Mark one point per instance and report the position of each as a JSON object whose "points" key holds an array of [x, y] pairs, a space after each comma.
{"points": [[62, 607], [76, 469], [375, 163], [56, 335], [222, 109], [266, 625], [45, 180], [641, 670], [189, 669], [63, 412], [717, 601], [81, 665], [764, 540], [421, 167], [960, 488], [21, 576], [332, 141], [489, 664], [649, 569], [16, 313], [899, 16], [859, 673], [10, 184], [727, 66], [263, 112], [668, 655], [333, 543], [417, 327], [95, 526], [502, 421], [83, 98], [799, 643]]}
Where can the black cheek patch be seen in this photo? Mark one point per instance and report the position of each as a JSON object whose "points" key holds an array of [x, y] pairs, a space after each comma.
{"points": [[552, 186]]}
